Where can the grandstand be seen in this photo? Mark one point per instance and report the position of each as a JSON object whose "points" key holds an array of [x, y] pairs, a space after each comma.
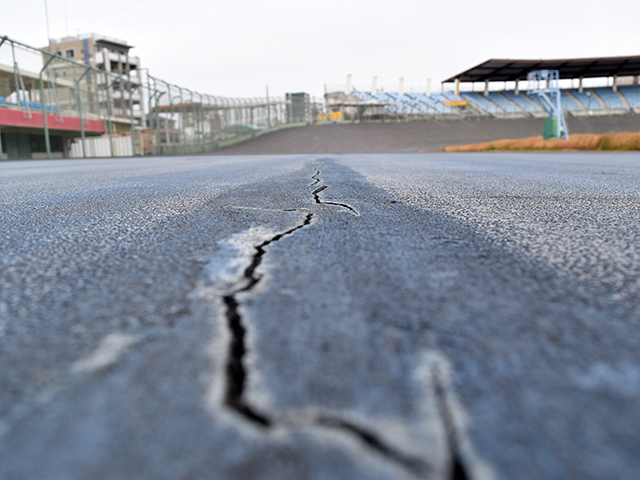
{"points": [[617, 92], [632, 96]]}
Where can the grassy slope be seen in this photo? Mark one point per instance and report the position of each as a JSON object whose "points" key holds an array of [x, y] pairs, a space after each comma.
{"points": [[583, 141]]}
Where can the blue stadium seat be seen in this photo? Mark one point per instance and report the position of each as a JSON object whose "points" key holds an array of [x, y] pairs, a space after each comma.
{"points": [[587, 99], [32, 105], [451, 96], [438, 99], [502, 102], [361, 95], [568, 102], [415, 106], [610, 98], [523, 101], [383, 97], [481, 102], [408, 103], [631, 94], [3, 101]]}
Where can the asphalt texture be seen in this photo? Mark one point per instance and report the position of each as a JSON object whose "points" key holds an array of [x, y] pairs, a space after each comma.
{"points": [[434, 316]]}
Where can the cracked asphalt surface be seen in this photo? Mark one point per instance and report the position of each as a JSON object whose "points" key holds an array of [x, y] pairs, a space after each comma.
{"points": [[437, 316]]}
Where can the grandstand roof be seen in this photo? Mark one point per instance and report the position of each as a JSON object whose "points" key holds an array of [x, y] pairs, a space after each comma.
{"points": [[496, 70]]}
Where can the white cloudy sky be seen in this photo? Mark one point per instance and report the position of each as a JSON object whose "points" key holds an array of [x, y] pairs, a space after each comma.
{"points": [[235, 48]]}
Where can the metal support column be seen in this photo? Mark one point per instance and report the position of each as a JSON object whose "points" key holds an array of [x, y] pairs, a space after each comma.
{"points": [[152, 93], [156, 98], [110, 113], [133, 138], [268, 109], [47, 141], [181, 116], [191, 107], [157, 110], [80, 108]]}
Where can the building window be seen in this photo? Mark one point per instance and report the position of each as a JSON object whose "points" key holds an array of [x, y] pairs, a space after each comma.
{"points": [[59, 53], [70, 53]]}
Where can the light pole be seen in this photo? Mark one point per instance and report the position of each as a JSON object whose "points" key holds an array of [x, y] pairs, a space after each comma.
{"points": [[46, 15]]}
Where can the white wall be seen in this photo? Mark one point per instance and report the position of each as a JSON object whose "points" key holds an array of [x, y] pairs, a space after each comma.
{"points": [[99, 147]]}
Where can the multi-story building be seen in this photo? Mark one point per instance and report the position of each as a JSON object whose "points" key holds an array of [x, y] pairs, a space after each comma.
{"points": [[118, 94]]}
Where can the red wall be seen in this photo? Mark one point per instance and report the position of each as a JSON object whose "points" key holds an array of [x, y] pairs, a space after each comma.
{"points": [[16, 118]]}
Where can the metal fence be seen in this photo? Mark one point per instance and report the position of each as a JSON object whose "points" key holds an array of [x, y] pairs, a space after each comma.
{"points": [[55, 107]]}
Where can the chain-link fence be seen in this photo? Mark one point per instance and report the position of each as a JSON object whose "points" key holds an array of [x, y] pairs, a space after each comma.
{"points": [[52, 106]]}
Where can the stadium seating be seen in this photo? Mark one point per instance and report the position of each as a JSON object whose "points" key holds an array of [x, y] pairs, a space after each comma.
{"points": [[451, 96], [417, 107], [435, 101], [415, 103], [439, 98], [403, 104], [631, 94], [3, 101], [588, 99], [503, 103], [31, 105], [481, 102], [361, 95], [523, 101], [610, 98], [568, 102], [382, 96]]}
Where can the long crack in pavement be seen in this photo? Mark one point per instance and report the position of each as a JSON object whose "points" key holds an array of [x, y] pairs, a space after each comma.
{"points": [[236, 375], [318, 200]]}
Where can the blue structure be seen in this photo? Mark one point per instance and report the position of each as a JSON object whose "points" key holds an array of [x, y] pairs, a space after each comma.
{"points": [[587, 98], [632, 95], [481, 101], [524, 102], [543, 84], [569, 103], [610, 98]]}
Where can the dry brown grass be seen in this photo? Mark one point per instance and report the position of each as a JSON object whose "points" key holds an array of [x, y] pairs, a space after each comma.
{"points": [[580, 141]]}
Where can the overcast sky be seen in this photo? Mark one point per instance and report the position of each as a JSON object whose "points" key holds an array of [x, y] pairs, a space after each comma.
{"points": [[235, 48]]}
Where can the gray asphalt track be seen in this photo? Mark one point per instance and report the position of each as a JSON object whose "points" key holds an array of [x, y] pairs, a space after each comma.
{"points": [[395, 316]]}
